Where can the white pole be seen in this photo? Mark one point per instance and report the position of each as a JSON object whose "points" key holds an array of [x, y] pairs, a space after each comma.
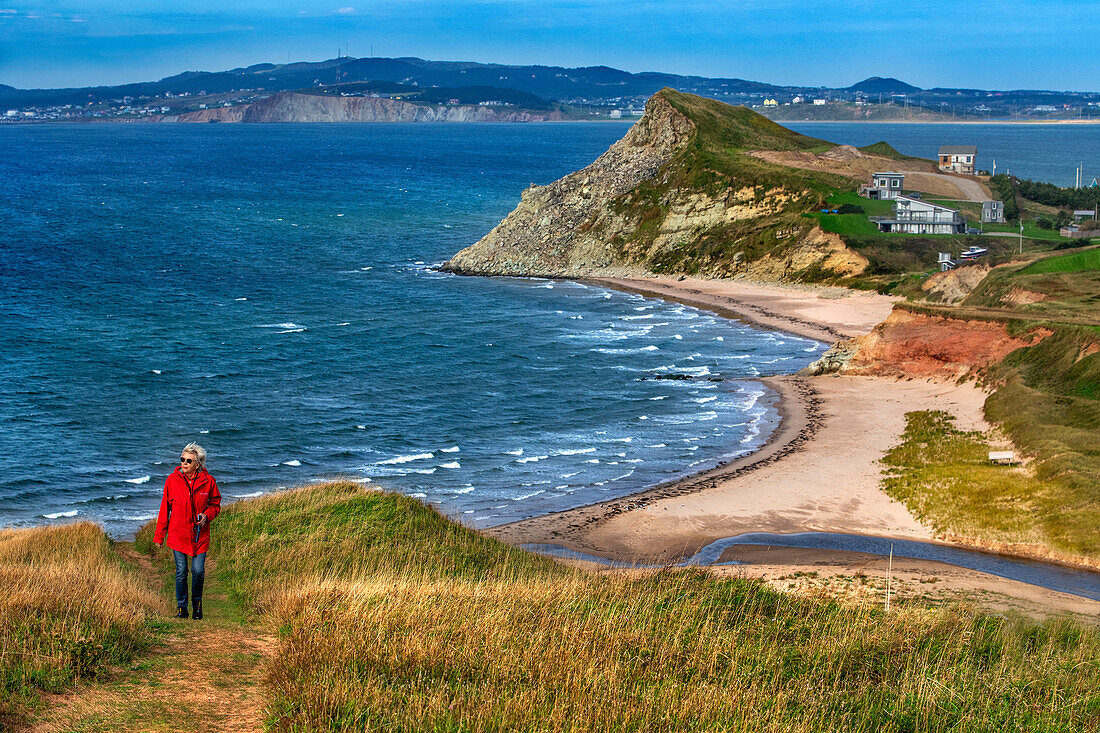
{"points": [[889, 573]]}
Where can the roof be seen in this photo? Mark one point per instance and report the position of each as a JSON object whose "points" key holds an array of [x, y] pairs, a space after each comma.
{"points": [[889, 173], [958, 150], [923, 203]]}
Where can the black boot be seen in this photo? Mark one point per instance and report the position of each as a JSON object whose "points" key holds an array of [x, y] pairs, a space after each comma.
{"points": [[196, 610], [181, 612]]}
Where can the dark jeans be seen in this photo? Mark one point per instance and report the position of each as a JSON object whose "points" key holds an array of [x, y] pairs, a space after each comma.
{"points": [[198, 568]]}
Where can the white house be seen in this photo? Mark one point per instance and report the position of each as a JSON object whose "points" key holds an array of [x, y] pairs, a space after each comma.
{"points": [[914, 216], [958, 158]]}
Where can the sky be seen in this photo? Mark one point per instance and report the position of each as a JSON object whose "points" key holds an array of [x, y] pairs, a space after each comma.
{"points": [[1008, 44]]}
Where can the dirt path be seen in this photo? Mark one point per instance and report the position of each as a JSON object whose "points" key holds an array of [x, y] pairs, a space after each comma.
{"points": [[970, 189], [200, 676]]}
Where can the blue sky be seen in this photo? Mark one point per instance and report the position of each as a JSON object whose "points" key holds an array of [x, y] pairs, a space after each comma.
{"points": [[1009, 44]]}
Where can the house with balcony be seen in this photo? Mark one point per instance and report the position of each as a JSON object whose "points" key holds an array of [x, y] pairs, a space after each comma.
{"points": [[958, 158], [883, 186], [914, 216]]}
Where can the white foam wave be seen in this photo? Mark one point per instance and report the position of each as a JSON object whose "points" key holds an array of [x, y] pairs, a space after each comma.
{"points": [[643, 417], [593, 460], [59, 515], [452, 449], [363, 480], [292, 330], [517, 452], [626, 351], [406, 459], [464, 490], [521, 497], [662, 397], [419, 495], [704, 400], [575, 451], [530, 459], [156, 371], [452, 464], [360, 427], [292, 462], [139, 517], [138, 481], [240, 299], [288, 324], [204, 432], [569, 475], [656, 445], [249, 495]]}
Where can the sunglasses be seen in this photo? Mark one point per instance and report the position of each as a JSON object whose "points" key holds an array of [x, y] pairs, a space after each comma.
{"points": [[186, 460]]}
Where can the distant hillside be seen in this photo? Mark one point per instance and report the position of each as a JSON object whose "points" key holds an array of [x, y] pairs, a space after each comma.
{"points": [[296, 107], [880, 85], [590, 89]]}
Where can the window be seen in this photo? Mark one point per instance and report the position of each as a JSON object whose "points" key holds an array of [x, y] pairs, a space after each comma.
{"points": [[882, 182], [897, 183], [969, 159]]}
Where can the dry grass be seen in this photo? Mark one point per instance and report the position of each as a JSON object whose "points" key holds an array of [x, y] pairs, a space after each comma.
{"points": [[392, 618], [68, 607]]}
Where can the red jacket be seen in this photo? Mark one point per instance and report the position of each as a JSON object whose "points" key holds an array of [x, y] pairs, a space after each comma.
{"points": [[183, 501]]}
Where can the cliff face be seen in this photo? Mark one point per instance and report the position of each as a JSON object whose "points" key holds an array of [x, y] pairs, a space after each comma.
{"points": [[911, 344], [549, 233], [294, 107], [671, 196]]}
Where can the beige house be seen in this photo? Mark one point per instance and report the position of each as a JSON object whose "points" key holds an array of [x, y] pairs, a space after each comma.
{"points": [[958, 158]]}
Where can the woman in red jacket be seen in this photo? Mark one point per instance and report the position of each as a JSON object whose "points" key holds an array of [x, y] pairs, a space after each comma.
{"points": [[190, 502]]}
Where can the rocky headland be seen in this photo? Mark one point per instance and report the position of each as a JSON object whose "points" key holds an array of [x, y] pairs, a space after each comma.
{"points": [[681, 193]]}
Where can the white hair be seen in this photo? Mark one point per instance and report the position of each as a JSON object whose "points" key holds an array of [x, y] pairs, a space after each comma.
{"points": [[198, 451]]}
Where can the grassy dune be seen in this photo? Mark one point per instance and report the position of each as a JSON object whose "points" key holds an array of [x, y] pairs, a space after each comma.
{"points": [[68, 606], [390, 617]]}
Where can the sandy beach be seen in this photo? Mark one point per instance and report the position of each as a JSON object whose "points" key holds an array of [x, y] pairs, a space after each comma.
{"points": [[819, 471]]}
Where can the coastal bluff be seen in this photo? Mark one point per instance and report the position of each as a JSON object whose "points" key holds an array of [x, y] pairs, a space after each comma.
{"points": [[298, 107], [678, 194]]}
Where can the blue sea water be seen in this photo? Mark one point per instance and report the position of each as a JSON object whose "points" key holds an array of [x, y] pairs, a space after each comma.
{"points": [[268, 291]]}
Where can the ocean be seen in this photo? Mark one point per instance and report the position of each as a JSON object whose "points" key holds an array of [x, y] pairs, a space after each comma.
{"points": [[269, 291]]}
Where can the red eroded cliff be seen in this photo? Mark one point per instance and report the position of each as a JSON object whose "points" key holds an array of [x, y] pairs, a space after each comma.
{"points": [[909, 344]]}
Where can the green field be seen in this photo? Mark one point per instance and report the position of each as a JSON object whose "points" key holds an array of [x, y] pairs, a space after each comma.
{"points": [[1088, 260]]}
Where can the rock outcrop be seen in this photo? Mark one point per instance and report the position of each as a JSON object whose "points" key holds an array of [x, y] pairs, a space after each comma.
{"points": [[655, 202], [953, 286], [297, 107], [549, 233]]}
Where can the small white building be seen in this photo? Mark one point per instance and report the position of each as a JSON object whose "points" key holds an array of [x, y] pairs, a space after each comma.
{"points": [[914, 216], [958, 158], [886, 185]]}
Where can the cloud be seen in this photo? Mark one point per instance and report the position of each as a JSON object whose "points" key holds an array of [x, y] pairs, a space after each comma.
{"points": [[345, 10]]}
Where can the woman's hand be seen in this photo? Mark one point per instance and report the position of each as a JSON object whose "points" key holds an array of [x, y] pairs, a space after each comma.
{"points": [[200, 520]]}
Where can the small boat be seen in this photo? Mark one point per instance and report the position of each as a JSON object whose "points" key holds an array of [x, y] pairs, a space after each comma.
{"points": [[972, 253]]}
